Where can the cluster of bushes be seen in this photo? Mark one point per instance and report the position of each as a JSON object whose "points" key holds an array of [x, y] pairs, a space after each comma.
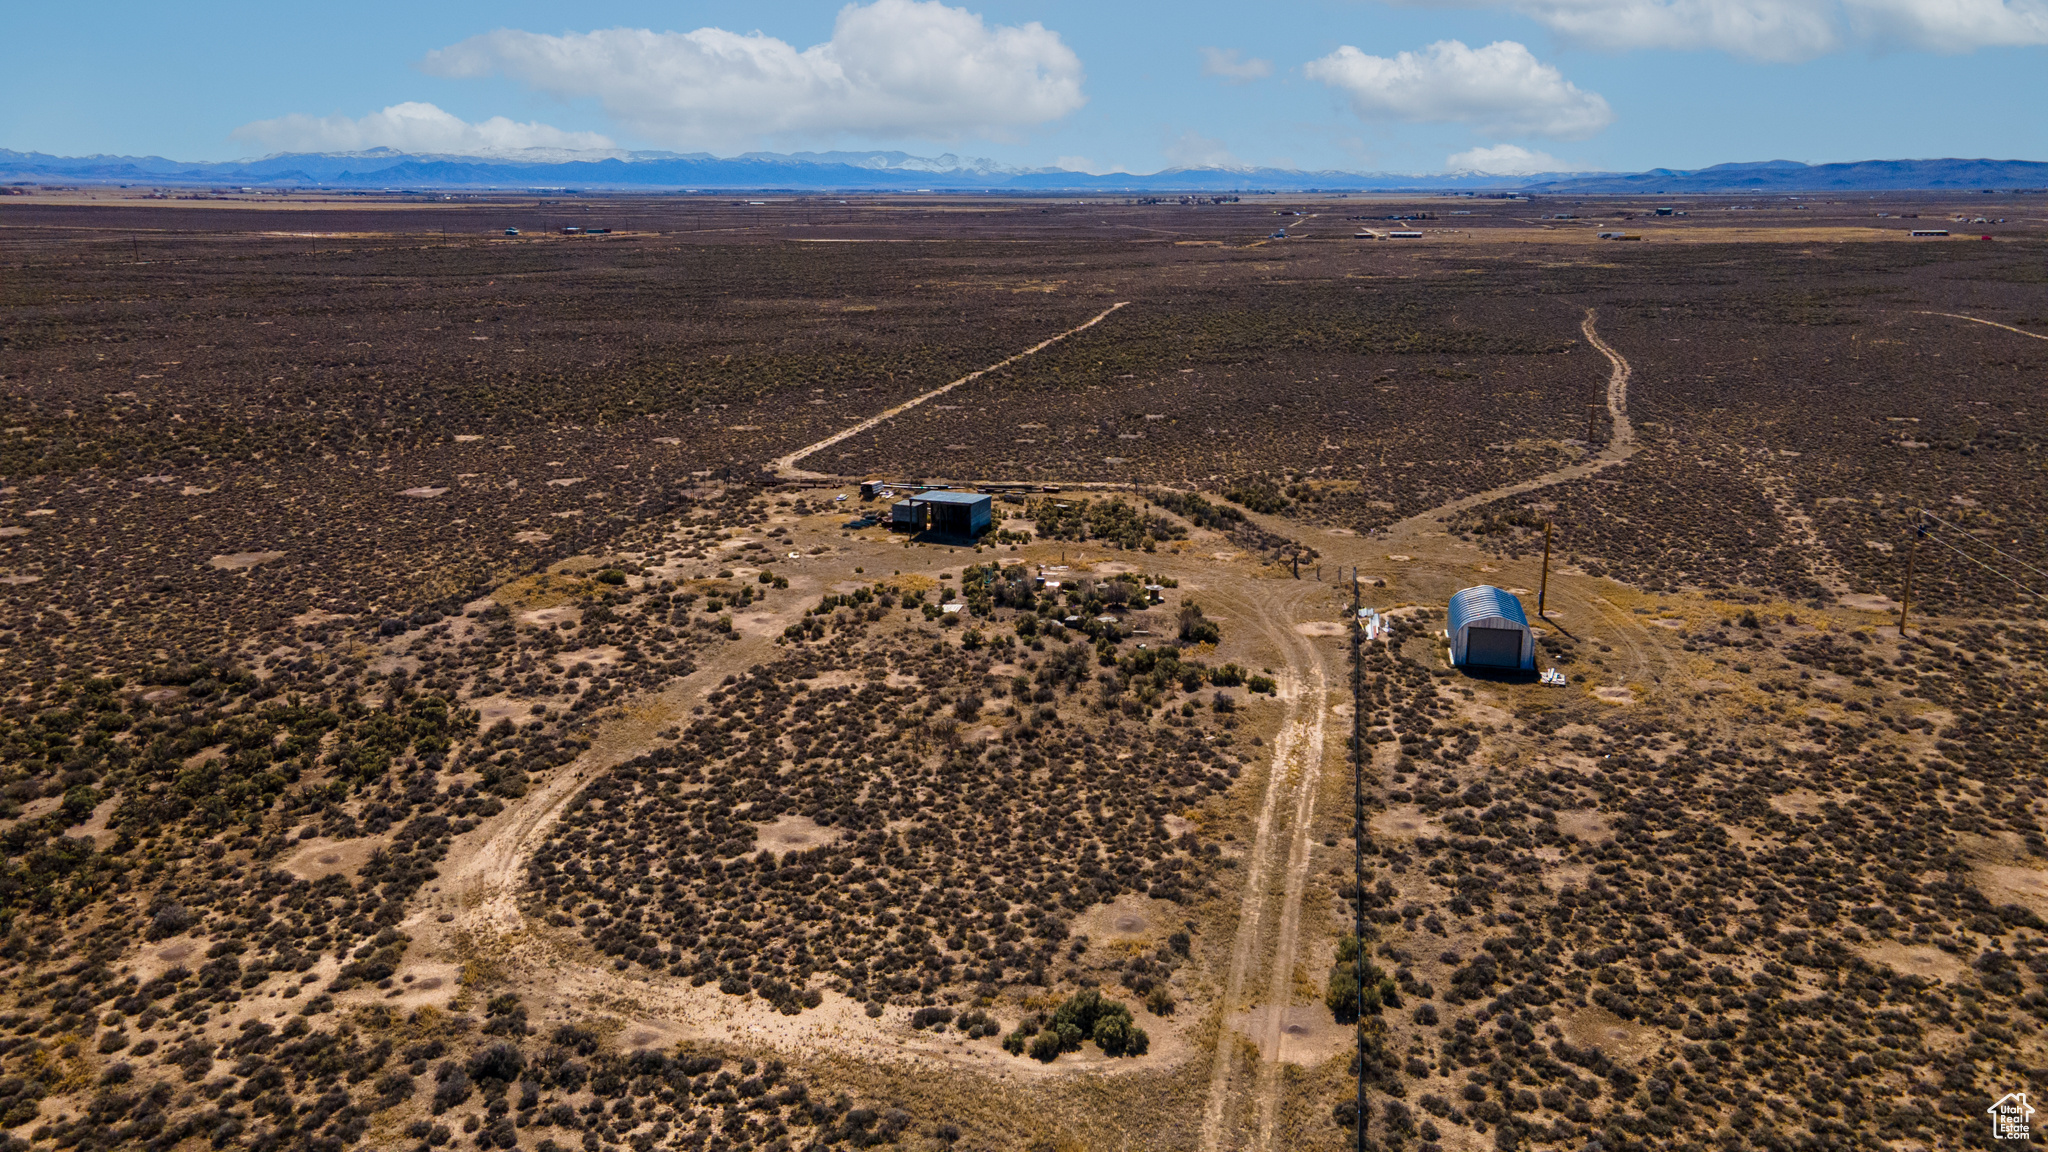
{"points": [[1113, 520], [1085, 1017], [1342, 990]]}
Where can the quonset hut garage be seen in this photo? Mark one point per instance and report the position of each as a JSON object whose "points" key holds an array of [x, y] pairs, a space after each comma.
{"points": [[1488, 630]]}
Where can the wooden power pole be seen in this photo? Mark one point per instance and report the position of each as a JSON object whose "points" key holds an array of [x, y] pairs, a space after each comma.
{"points": [[1543, 589]]}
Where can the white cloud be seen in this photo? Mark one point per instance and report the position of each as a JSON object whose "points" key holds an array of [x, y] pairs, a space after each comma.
{"points": [[1775, 30], [1782, 31], [1500, 89], [893, 68], [1194, 150], [1230, 64], [1503, 160], [416, 127], [1951, 26]]}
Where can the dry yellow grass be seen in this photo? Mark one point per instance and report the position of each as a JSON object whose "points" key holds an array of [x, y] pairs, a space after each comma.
{"points": [[541, 590]]}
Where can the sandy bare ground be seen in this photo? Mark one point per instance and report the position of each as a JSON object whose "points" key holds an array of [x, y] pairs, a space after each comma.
{"points": [[786, 466]]}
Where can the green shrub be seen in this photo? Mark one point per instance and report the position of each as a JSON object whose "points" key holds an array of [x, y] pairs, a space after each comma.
{"points": [[1341, 992], [1085, 1016]]}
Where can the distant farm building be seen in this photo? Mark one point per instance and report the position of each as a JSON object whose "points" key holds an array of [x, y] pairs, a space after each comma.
{"points": [[1404, 235], [1488, 630], [947, 513]]}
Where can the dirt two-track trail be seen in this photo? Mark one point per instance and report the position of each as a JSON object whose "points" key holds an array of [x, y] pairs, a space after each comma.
{"points": [[1277, 872]]}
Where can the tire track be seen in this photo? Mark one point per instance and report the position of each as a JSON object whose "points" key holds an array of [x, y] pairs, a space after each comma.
{"points": [[1295, 731], [786, 466], [1280, 980]]}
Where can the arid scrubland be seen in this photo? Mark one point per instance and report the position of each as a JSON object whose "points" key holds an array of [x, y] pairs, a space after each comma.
{"points": [[429, 723]]}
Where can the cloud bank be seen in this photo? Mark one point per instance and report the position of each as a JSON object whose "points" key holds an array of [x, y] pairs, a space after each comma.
{"points": [[416, 127], [893, 68], [1783, 31], [1501, 89]]}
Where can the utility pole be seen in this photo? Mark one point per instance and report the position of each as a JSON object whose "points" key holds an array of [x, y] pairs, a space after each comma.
{"points": [[1358, 842], [1591, 411], [1906, 597], [1543, 589]]}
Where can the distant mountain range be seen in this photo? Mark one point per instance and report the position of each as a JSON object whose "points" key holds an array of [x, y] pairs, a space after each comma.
{"points": [[898, 172], [1792, 176]]}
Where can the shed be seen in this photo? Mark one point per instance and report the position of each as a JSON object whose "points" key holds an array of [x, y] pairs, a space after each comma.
{"points": [[1488, 630], [951, 513]]}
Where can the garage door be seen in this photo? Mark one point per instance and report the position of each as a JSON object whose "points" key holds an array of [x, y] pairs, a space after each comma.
{"points": [[1493, 647]]}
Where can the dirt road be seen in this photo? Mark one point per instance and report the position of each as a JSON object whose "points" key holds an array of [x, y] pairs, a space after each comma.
{"points": [[1987, 323], [1621, 444], [786, 466], [1279, 852]]}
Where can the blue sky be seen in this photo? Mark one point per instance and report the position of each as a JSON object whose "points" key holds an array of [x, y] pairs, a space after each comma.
{"points": [[1426, 85]]}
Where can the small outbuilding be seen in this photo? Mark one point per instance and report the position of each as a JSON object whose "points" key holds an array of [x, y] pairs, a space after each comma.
{"points": [[1488, 630], [948, 513]]}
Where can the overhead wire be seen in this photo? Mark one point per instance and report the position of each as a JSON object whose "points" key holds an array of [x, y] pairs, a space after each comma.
{"points": [[1988, 568], [1974, 539]]}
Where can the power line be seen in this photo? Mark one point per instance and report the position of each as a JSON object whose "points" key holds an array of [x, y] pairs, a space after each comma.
{"points": [[1358, 842], [1984, 566], [1986, 543]]}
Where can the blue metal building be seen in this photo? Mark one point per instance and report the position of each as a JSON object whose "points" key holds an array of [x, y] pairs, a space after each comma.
{"points": [[1488, 630], [948, 513]]}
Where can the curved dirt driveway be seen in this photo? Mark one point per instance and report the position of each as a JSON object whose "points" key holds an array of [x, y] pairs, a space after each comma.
{"points": [[1621, 444]]}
